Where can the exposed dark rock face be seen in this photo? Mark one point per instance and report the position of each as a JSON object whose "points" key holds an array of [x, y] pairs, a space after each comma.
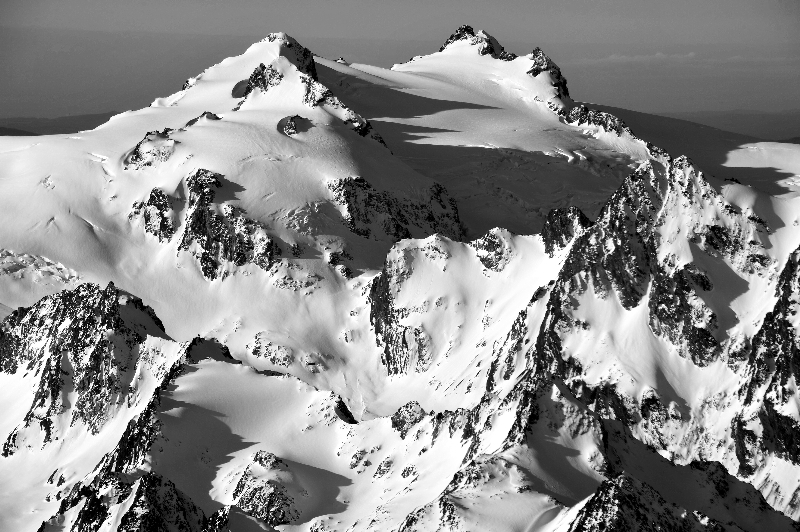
{"points": [[157, 215], [218, 521], [280, 355], [155, 148], [153, 502], [224, 235], [372, 214], [542, 63], [620, 256], [317, 94], [561, 226], [75, 341], [772, 367], [624, 503], [618, 251], [363, 127], [487, 45], [406, 417], [262, 78], [493, 249], [406, 348], [584, 116], [678, 314], [159, 505], [260, 495], [298, 54]]}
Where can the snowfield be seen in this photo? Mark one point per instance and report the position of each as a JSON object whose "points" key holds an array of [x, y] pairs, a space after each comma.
{"points": [[306, 295]]}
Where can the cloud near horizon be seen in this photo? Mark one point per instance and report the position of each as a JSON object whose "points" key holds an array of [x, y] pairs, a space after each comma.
{"points": [[648, 58]]}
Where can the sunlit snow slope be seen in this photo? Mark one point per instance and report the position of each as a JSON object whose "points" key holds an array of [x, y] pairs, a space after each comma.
{"points": [[301, 294]]}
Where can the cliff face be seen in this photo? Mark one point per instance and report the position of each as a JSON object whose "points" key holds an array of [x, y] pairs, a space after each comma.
{"points": [[84, 348]]}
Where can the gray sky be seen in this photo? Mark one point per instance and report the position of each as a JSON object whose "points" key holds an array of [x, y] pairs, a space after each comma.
{"points": [[688, 21], [82, 56]]}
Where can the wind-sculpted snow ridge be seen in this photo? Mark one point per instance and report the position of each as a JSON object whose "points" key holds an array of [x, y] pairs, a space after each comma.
{"points": [[344, 344]]}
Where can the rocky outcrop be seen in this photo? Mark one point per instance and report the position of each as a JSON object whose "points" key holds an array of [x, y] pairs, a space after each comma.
{"points": [[155, 148], [678, 313], [219, 235], [494, 249], [261, 347], [374, 214], [262, 78], [406, 417], [584, 116], [260, 494], [208, 115], [156, 214], [481, 476], [405, 348], [300, 56], [561, 226], [288, 125], [543, 63]]}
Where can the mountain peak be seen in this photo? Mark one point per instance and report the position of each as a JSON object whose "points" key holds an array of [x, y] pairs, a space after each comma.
{"points": [[487, 45], [295, 52]]}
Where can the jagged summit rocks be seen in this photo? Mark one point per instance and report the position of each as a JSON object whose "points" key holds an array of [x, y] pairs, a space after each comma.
{"points": [[542, 63], [487, 45]]}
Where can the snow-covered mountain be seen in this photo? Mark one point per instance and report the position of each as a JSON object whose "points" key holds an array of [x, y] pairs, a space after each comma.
{"points": [[302, 294]]}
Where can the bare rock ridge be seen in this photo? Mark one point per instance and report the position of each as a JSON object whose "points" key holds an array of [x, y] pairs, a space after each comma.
{"points": [[487, 45], [82, 347], [370, 213], [216, 235]]}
